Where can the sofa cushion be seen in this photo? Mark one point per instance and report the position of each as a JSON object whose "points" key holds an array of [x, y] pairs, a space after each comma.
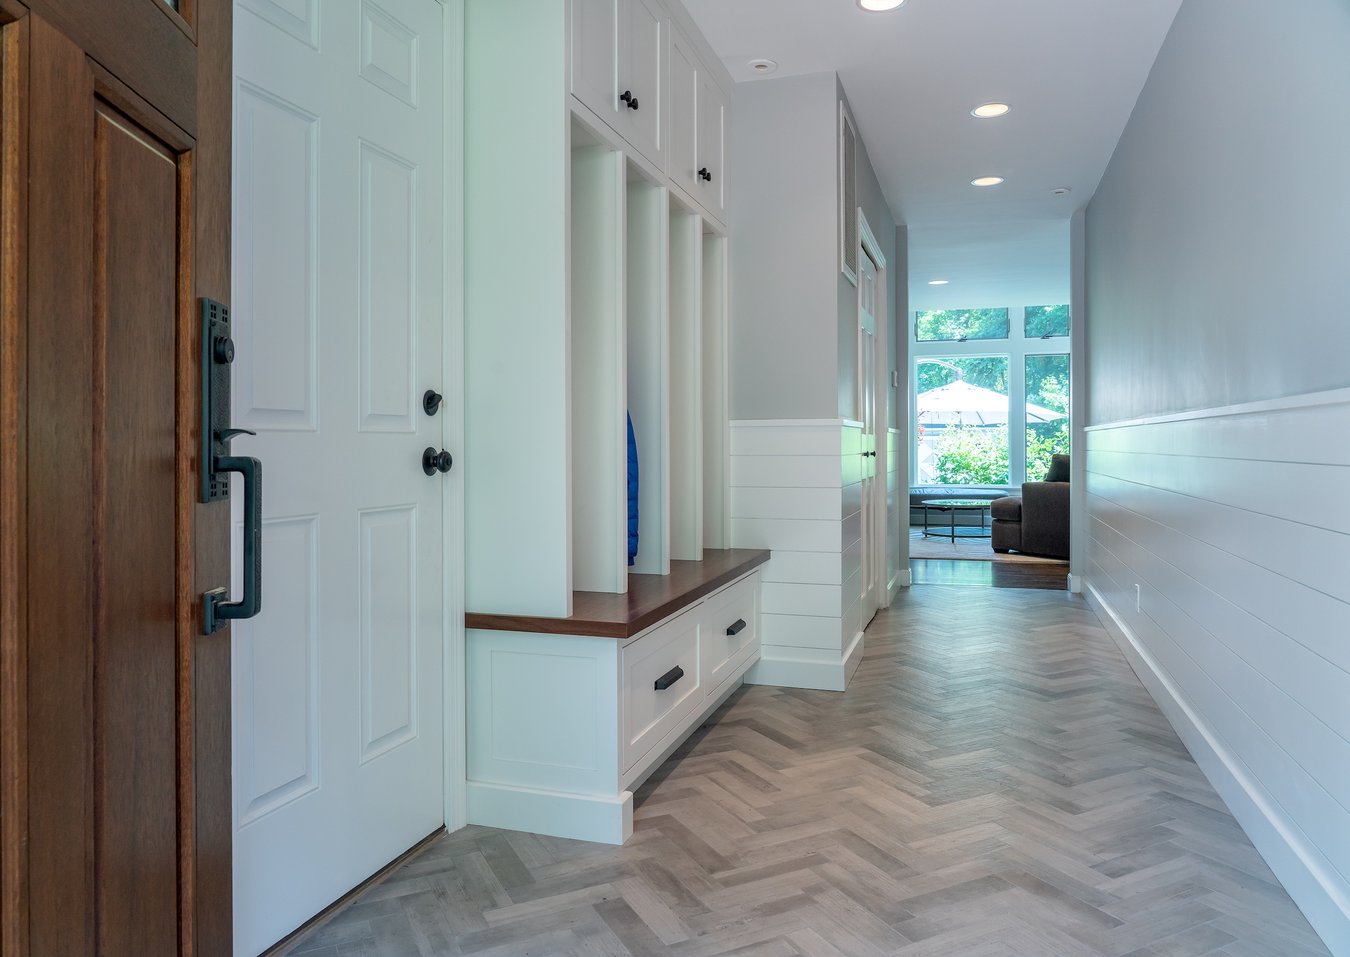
{"points": [[1007, 509], [1059, 469]]}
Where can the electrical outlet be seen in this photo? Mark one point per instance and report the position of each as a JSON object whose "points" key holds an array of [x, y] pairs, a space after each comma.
{"points": [[1138, 598]]}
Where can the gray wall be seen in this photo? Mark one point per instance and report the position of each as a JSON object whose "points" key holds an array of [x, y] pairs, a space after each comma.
{"points": [[1227, 194], [1218, 273], [879, 217], [783, 249], [794, 333]]}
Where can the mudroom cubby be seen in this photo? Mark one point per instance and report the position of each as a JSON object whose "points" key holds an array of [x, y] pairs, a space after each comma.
{"points": [[596, 290]]}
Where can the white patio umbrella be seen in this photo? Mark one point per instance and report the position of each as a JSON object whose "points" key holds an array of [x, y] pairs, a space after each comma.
{"points": [[960, 403]]}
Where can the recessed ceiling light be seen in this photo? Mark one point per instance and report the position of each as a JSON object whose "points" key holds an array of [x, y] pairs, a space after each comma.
{"points": [[877, 6], [763, 66], [987, 111], [987, 181], [938, 282], [1060, 191]]}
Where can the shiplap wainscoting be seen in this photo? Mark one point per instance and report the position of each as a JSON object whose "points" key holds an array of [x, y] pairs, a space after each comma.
{"points": [[1218, 558], [796, 489]]}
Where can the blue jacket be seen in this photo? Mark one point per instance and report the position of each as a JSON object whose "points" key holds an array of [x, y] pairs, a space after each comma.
{"points": [[632, 494]]}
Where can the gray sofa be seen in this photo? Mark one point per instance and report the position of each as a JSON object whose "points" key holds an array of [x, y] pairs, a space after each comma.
{"points": [[1037, 521]]}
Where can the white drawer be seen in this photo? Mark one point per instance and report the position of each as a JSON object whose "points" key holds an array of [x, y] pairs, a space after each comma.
{"points": [[649, 713], [730, 631]]}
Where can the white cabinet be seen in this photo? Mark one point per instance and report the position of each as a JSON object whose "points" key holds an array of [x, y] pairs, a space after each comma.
{"points": [[562, 728], [618, 64], [683, 144], [642, 72], [661, 686], [594, 33], [711, 191]]}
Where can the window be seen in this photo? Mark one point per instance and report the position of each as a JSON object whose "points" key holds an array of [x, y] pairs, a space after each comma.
{"points": [[1047, 409], [982, 419], [1043, 322], [960, 325], [962, 420]]}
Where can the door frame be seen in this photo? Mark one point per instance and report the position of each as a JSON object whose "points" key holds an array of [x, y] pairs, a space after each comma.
{"points": [[455, 738], [869, 247]]}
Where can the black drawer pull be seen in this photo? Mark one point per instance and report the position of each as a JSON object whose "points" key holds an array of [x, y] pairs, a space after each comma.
{"points": [[669, 678], [737, 628]]}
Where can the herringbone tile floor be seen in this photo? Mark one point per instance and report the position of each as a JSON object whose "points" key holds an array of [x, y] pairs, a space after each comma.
{"points": [[995, 782]]}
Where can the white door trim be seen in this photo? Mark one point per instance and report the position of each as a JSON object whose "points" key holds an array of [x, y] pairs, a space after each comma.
{"points": [[456, 770], [881, 425]]}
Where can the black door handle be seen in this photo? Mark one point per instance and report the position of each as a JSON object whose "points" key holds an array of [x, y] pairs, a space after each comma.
{"points": [[669, 678], [433, 461], [737, 628], [215, 609]]}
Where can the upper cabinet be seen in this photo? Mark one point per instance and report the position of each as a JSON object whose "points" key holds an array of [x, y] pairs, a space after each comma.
{"points": [[684, 83], [645, 81], [595, 55], [643, 43], [711, 172]]}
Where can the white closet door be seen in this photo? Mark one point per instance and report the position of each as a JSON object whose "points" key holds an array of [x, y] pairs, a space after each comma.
{"points": [[338, 309]]}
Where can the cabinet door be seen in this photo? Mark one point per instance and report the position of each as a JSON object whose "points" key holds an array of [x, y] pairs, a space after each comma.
{"points": [[711, 191], [642, 73], [683, 143], [595, 46]]}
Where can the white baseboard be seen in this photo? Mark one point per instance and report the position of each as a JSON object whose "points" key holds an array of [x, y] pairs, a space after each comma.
{"points": [[1323, 896], [582, 817], [786, 668]]}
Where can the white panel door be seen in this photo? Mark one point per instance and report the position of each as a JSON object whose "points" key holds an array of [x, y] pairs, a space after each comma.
{"points": [[339, 240], [872, 562]]}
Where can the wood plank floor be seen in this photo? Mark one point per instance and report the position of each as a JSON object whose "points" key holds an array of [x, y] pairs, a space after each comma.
{"points": [[932, 571], [995, 782]]}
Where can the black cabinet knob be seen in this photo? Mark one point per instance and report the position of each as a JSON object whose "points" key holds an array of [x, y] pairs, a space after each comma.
{"points": [[704, 175], [433, 461], [736, 628], [627, 98]]}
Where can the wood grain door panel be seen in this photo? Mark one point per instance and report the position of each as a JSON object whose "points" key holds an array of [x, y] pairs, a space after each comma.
{"points": [[116, 784]]}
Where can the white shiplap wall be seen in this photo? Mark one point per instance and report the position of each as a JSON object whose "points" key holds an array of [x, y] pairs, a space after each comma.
{"points": [[1219, 556], [794, 490]]}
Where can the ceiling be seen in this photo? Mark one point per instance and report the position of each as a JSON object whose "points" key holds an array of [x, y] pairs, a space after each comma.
{"points": [[1071, 69]]}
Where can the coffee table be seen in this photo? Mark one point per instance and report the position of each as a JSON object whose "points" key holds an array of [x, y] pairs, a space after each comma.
{"points": [[954, 505]]}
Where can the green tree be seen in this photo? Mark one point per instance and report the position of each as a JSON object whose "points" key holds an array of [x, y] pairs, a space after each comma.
{"points": [[1046, 321], [954, 325], [972, 455]]}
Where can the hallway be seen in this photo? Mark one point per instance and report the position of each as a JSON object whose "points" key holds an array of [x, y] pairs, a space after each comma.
{"points": [[995, 782]]}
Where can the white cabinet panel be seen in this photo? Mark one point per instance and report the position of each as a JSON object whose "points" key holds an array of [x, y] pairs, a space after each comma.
{"points": [[682, 143], [711, 191], [642, 73], [595, 52]]}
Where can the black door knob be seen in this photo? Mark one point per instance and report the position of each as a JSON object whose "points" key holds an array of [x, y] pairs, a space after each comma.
{"points": [[431, 401], [433, 461]]}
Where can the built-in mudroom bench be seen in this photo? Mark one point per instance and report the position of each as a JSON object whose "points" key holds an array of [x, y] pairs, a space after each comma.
{"points": [[566, 716]]}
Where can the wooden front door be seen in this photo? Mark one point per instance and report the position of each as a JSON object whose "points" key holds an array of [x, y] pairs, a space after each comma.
{"points": [[114, 707]]}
